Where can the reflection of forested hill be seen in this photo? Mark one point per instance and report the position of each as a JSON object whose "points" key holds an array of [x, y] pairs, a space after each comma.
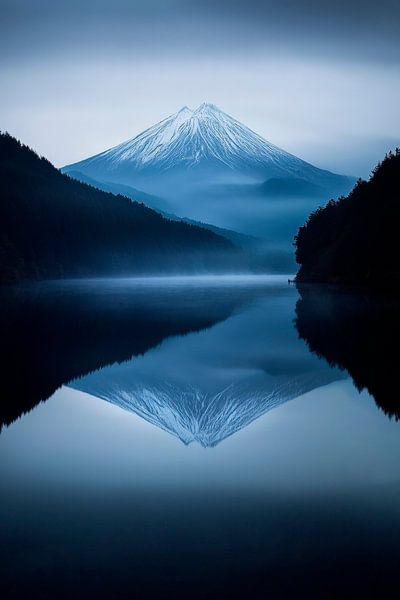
{"points": [[358, 333], [52, 333], [52, 226]]}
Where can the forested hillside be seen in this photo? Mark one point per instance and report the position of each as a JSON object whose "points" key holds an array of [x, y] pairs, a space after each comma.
{"points": [[354, 240], [52, 226]]}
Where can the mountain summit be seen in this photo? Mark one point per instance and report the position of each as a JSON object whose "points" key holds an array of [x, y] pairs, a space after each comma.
{"points": [[196, 158]]}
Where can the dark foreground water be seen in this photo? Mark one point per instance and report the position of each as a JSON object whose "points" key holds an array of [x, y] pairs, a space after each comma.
{"points": [[198, 438]]}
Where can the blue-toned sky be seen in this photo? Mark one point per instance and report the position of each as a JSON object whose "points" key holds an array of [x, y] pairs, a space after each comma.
{"points": [[321, 79]]}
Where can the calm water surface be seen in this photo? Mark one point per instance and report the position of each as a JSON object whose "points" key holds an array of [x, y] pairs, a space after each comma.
{"points": [[198, 438]]}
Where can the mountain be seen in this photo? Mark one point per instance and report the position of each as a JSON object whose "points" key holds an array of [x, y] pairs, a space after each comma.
{"points": [[205, 140], [52, 226], [355, 239], [189, 158]]}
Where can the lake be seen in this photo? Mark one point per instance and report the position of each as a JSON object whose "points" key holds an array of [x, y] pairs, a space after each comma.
{"points": [[198, 437]]}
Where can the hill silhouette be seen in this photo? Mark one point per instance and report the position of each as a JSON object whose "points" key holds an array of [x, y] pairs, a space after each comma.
{"points": [[52, 226], [354, 240]]}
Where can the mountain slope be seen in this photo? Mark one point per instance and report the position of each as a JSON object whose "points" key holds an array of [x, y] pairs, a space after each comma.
{"points": [[154, 202], [53, 226]]}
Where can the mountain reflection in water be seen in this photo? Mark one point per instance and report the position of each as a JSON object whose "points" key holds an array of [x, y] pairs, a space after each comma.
{"points": [[53, 332], [119, 340], [211, 384]]}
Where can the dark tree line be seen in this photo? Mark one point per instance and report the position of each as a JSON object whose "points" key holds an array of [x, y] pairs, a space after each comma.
{"points": [[52, 226], [354, 240]]}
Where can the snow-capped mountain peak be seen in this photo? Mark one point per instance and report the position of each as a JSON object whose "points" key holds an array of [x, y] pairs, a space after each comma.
{"points": [[195, 149], [187, 139], [206, 108]]}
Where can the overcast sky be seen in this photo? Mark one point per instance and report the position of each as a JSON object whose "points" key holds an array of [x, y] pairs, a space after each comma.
{"points": [[320, 79]]}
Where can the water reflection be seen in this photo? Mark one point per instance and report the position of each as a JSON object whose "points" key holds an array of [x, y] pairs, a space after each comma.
{"points": [[54, 332], [303, 502], [211, 384], [356, 332], [121, 341]]}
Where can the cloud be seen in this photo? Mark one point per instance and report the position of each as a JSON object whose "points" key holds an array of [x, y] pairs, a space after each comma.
{"points": [[351, 30]]}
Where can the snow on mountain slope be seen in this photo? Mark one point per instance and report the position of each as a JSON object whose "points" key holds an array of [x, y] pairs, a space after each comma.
{"points": [[190, 137], [210, 167], [202, 140]]}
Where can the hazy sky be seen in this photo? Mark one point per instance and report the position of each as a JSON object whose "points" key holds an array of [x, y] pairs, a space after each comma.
{"points": [[320, 79]]}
